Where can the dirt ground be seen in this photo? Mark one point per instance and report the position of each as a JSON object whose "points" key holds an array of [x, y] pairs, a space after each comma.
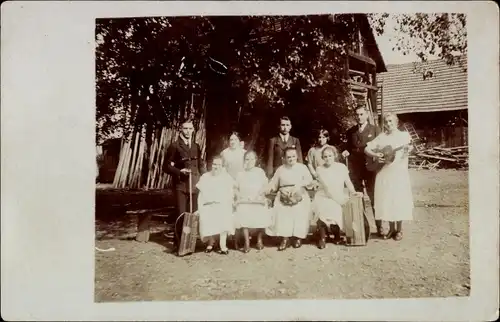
{"points": [[432, 260]]}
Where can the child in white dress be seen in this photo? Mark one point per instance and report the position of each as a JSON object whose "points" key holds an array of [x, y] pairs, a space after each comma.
{"points": [[393, 195], [215, 205], [251, 203], [328, 201]]}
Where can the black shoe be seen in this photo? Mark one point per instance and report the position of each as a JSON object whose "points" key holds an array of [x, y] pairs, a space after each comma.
{"points": [[283, 245], [224, 252], [297, 243], [209, 249], [390, 234]]}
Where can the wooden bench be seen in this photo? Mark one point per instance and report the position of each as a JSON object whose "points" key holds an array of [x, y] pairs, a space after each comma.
{"points": [[144, 217], [145, 204]]}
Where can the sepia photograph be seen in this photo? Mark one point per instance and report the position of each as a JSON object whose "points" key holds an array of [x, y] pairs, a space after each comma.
{"points": [[250, 161], [281, 157]]}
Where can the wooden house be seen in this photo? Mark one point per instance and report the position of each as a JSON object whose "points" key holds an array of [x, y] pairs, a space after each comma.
{"points": [[431, 96]]}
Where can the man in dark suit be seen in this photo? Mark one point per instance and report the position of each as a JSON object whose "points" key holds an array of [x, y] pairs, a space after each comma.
{"points": [[357, 138], [184, 157], [278, 144]]}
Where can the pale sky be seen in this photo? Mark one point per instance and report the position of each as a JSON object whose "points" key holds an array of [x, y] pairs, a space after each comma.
{"points": [[387, 41], [392, 57]]}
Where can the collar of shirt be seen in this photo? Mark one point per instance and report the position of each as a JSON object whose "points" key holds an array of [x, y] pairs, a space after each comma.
{"points": [[186, 141], [362, 127], [284, 138]]}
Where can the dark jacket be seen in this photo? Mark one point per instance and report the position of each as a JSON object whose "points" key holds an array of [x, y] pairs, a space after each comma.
{"points": [[276, 156], [180, 156], [356, 144]]}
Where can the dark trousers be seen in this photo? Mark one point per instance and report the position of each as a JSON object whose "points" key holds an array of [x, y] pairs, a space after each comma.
{"points": [[360, 178], [182, 205]]}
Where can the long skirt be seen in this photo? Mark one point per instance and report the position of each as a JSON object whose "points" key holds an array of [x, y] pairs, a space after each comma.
{"points": [[252, 216], [327, 210], [291, 221], [393, 196], [216, 219]]}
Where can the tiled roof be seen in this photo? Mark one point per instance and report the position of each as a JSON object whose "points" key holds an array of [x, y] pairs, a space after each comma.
{"points": [[406, 91]]}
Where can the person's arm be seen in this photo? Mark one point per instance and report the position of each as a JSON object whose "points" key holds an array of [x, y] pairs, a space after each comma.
{"points": [[201, 196], [299, 151], [264, 181], [346, 147], [407, 146], [310, 161], [370, 147], [169, 164], [274, 183], [323, 184], [307, 179], [270, 158], [349, 185]]}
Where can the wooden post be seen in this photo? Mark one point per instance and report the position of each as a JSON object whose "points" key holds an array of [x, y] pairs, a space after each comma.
{"points": [[143, 229], [374, 95], [381, 117]]}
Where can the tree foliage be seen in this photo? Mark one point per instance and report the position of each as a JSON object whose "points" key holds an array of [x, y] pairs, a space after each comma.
{"points": [[427, 34], [147, 68]]}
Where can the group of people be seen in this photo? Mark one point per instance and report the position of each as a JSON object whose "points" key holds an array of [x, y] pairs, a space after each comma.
{"points": [[237, 196]]}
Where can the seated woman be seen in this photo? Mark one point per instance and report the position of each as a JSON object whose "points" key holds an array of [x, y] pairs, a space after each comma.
{"points": [[328, 201], [393, 196], [215, 205], [251, 203], [292, 205]]}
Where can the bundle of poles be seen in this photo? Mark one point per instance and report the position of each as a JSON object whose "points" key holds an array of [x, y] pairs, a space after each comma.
{"points": [[141, 166]]}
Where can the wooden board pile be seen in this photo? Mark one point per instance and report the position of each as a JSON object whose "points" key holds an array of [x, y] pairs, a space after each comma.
{"points": [[135, 156], [141, 165], [432, 158]]}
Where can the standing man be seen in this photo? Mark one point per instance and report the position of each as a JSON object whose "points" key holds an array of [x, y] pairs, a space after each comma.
{"points": [[184, 156], [357, 138], [278, 144]]}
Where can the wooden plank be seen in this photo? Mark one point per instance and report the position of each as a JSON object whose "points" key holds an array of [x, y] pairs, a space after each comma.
{"points": [[143, 229], [190, 233], [145, 211], [356, 225], [120, 164], [437, 157], [361, 85], [362, 58], [357, 72]]}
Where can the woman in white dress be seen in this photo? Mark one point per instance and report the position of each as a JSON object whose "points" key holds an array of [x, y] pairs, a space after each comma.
{"points": [[292, 205], [215, 205], [328, 201], [393, 196], [232, 156], [252, 211], [314, 157]]}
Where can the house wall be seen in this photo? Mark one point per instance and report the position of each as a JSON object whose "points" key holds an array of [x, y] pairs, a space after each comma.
{"points": [[447, 128]]}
